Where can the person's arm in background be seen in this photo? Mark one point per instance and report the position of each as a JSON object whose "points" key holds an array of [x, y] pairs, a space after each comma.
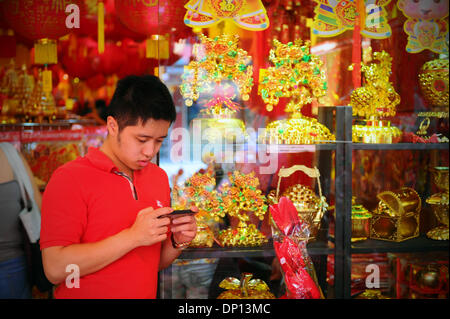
{"points": [[37, 192]]}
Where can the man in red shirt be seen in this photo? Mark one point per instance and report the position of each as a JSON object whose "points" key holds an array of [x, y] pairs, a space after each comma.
{"points": [[103, 214]]}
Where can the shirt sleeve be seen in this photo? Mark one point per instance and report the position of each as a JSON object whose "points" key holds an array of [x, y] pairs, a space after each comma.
{"points": [[64, 211]]}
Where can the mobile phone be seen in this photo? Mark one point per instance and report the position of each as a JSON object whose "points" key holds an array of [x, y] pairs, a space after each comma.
{"points": [[179, 213]]}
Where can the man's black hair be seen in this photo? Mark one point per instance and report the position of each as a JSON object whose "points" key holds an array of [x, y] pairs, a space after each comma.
{"points": [[139, 98]]}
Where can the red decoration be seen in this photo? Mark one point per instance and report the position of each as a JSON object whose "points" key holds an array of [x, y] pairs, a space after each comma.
{"points": [[110, 61], [77, 57], [136, 64], [96, 82], [37, 19], [152, 17]]}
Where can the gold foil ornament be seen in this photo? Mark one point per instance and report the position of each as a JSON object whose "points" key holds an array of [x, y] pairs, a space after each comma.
{"points": [[397, 215], [298, 75], [246, 288], [433, 80], [240, 197], [440, 202], [375, 101]]}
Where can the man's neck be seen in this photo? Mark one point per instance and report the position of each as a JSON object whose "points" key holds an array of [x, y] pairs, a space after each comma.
{"points": [[107, 150]]}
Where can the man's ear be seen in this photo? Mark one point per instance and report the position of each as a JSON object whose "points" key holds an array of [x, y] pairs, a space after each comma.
{"points": [[112, 126]]}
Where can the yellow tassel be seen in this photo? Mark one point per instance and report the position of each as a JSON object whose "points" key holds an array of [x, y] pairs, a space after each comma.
{"points": [[101, 27], [157, 47], [312, 36], [45, 52], [47, 85]]}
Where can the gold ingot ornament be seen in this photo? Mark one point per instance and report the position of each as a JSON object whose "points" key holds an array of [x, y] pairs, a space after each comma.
{"points": [[246, 288]]}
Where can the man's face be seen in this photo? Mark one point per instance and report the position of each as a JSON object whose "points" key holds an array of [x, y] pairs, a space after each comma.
{"points": [[135, 146]]}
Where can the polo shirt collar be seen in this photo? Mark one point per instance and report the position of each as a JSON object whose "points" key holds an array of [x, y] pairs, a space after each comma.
{"points": [[100, 160]]}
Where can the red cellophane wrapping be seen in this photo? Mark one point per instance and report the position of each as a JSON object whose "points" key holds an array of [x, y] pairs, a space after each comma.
{"points": [[290, 235]]}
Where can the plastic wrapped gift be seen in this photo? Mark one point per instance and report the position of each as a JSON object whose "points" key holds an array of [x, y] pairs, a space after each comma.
{"points": [[246, 288], [397, 215], [290, 234]]}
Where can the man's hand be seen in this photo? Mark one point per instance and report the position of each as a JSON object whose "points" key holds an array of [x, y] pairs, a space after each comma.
{"points": [[148, 229], [184, 228]]}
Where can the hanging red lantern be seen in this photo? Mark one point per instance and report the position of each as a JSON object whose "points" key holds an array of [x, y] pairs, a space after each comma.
{"points": [[153, 19], [136, 64], [96, 82], [77, 58], [110, 61], [43, 22]]}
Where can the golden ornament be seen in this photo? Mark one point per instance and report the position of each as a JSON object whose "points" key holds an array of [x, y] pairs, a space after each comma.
{"points": [[298, 75], [440, 202], [221, 72], [246, 288], [375, 100], [241, 196], [433, 79]]}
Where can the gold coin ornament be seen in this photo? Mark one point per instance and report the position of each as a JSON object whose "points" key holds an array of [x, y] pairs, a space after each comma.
{"points": [[433, 80], [220, 72], [298, 75]]}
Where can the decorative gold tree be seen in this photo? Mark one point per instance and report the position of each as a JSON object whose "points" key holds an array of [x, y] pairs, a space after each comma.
{"points": [[298, 75], [240, 197]]}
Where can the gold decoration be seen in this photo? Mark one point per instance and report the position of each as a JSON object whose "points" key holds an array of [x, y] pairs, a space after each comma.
{"points": [[375, 100], [440, 202], [298, 75], [433, 79], [199, 190], [246, 288], [221, 69], [310, 207], [360, 222], [241, 196], [397, 215], [371, 294]]}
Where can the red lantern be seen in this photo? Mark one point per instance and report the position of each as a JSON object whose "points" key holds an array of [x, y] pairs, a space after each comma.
{"points": [[96, 82], [110, 61], [136, 64], [152, 17], [37, 19], [77, 58]]}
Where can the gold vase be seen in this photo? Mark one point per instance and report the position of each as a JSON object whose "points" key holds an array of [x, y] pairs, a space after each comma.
{"points": [[439, 203]]}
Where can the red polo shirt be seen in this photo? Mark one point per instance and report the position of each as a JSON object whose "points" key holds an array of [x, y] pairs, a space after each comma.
{"points": [[85, 201]]}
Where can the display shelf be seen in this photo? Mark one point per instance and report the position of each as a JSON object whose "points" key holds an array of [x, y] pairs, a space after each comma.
{"points": [[267, 250], [418, 244], [401, 146]]}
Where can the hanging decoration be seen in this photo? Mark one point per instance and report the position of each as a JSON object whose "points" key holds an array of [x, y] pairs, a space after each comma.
{"points": [[247, 14], [375, 100], [41, 21], [333, 17], [426, 25], [298, 75], [154, 19]]}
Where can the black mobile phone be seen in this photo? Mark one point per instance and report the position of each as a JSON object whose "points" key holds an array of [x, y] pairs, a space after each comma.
{"points": [[178, 213]]}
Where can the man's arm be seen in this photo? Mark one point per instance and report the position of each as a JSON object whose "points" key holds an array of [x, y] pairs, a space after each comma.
{"points": [[147, 230]]}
